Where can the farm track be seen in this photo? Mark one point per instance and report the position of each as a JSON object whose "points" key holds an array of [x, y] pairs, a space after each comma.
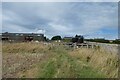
{"points": [[63, 65]]}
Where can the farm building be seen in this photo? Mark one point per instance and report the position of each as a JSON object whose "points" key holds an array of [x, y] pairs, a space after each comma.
{"points": [[76, 39], [22, 37]]}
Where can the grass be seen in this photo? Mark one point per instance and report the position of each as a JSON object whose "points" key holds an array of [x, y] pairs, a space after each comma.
{"points": [[99, 59], [48, 70], [62, 65], [24, 48], [58, 61]]}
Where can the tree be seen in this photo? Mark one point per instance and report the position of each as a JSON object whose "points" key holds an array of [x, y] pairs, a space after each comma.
{"points": [[117, 41], [56, 38]]}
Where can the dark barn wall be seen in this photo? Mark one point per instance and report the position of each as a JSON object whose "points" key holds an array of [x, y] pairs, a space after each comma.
{"points": [[38, 37], [78, 39], [22, 37]]}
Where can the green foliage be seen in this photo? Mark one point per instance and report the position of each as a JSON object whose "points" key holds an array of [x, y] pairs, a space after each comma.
{"points": [[116, 41], [56, 38], [98, 40], [49, 70]]}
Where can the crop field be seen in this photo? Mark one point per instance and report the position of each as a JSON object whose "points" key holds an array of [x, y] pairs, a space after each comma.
{"points": [[43, 60]]}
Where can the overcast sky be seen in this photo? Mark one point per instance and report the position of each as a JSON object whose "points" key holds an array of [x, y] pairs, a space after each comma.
{"points": [[90, 19]]}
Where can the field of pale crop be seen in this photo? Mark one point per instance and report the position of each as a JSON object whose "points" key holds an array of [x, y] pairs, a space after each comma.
{"points": [[40, 60]]}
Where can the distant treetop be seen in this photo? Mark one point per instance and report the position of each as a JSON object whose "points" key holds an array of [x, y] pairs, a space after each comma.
{"points": [[56, 38]]}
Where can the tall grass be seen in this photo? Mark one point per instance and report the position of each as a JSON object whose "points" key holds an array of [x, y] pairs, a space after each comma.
{"points": [[63, 65], [99, 59], [24, 48], [67, 62]]}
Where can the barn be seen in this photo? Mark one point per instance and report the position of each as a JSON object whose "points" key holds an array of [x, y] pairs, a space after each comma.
{"points": [[78, 39], [22, 37]]}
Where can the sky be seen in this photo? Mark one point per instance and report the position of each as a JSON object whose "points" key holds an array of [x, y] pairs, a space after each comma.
{"points": [[60, 0], [90, 19]]}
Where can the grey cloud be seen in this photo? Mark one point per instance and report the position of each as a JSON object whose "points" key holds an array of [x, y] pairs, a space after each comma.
{"points": [[74, 18]]}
